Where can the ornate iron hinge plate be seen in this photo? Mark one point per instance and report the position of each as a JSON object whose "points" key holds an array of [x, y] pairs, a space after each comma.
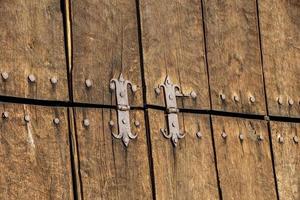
{"points": [[120, 86], [172, 91]]}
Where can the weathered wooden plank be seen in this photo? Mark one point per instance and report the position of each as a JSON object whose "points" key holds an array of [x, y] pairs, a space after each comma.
{"points": [[187, 171], [32, 43], [244, 166], [107, 169], [173, 44], [105, 44], [34, 155], [286, 158], [233, 56], [280, 25]]}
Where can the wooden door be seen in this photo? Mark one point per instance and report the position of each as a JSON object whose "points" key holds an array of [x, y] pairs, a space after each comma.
{"points": [[106, 168], [34, 153], [279, 22], [32, 53], [186, 171], [285, 143], [105, 44], [173, 45], [243, 158], [233, 56]]}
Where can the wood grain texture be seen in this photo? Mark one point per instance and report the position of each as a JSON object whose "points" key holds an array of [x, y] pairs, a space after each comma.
{"points": [[280, 27], [233, 55], [245, 167], [173, 44], [286, 159], [107, 170], [32, 42], [35, 156], [105, 44], [187, 171]]}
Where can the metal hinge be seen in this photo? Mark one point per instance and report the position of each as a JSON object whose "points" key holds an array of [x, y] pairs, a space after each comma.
{"points": [[120, 86], [172, 91]]}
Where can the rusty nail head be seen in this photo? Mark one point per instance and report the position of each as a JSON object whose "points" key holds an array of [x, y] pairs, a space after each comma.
{"points": [[5, 114], [224, 135], [4, 75], [86, 122], [291, 102], [31, 78], [88, 83], [56, 121], [223, 97], [279, 100], [53, 80], [193, 94], [199, 134], [296, 139], [111, 123], [27, 118]]}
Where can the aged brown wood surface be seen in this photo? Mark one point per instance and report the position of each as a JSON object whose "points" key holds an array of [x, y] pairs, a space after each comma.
{"points": [[173, 44], [105, 44], [280, 27], [233, 54], [245, 167], [187, 171], [34, 156], [32, 42], [286, 158], [108, 170]]}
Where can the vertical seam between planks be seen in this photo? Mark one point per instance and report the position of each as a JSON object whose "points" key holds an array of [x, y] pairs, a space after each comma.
{"points": [[266, 99], [215, 155], [210, 99], [68, 46], [141, 52], [273, 160], [75, 173], [72, 148], [150, 156]]}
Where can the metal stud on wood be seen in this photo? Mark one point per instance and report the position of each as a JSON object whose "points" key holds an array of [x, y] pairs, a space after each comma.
{"points": [[56, 121], [27, 118], [31, 78], [53, 80], [5, 115], [4, 76], [86, 123]]}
